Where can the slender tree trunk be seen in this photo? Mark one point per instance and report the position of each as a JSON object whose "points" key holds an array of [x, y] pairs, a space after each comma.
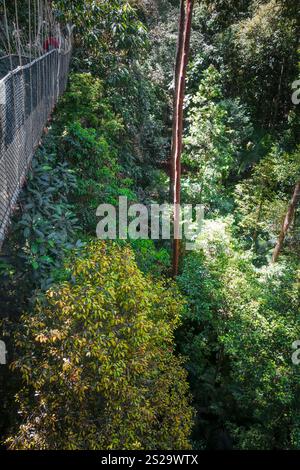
{"points": [[182, 58], [287, 222], [176, 81]]}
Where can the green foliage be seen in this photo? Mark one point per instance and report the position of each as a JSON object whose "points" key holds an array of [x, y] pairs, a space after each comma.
{"points": [[265, 46], [97, 361], [107, 32], [254, 44], [150, 259], [238, 334], [99, 177], [84, 102], [111, 43], [262, 199], [43, 231], [218, 130], [90, 143], [45, 228]]}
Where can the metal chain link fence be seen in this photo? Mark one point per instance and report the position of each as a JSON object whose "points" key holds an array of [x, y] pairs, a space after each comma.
{"points": [[28, 95]]}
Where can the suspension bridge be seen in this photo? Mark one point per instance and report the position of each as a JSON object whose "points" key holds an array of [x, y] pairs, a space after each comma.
{"points": [[34, 70]]}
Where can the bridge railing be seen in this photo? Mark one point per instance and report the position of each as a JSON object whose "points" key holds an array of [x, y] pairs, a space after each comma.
{"points": [[28, 95]]}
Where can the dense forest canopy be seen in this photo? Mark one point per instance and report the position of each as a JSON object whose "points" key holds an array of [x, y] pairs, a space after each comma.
{"points": [[106, 349]]}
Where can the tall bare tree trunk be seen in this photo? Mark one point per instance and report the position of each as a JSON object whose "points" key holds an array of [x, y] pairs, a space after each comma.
{"points": [[287, 222], [181, 66], [176, 82]]}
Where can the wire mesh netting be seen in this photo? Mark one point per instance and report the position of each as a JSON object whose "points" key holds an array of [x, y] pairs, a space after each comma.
{"points": [[28, 94]]}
